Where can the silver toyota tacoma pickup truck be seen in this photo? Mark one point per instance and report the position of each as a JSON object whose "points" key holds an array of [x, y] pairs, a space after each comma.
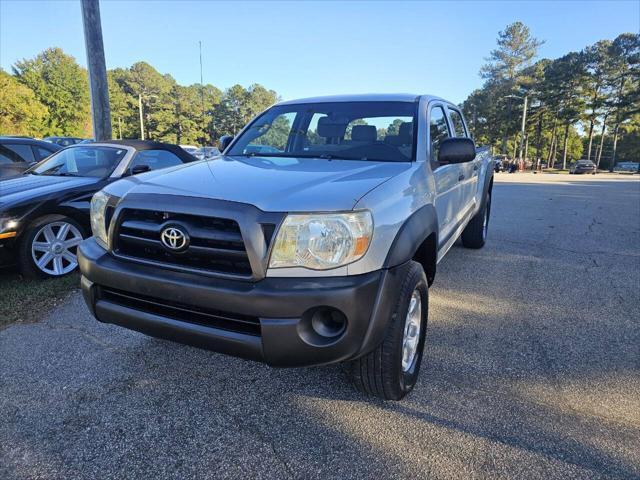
{"points": [[312, 240]]}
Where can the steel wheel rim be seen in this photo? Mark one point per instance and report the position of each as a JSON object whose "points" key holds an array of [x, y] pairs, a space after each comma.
{"points": [[485, 224], [485, 221], [412, 327], [54, 248]]}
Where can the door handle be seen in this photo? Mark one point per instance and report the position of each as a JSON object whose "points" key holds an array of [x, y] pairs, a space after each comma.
{"points": [[460, 178], [475, 168]]}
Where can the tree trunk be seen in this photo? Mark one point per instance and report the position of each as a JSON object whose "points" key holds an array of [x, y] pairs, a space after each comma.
{"points": [[566, 143], [539, 138], [616, 130], [599, 151], [590, 138], [553, 142]]}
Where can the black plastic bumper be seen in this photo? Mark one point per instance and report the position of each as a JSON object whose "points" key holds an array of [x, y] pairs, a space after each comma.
{"points": [[281, 306]]}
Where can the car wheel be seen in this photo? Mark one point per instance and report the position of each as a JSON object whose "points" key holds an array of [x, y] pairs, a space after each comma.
{"points": [[49, 247], [475, 233], [391, 370]]}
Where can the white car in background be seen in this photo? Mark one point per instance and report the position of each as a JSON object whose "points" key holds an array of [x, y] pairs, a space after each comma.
{"points": [[192, 149], [205, 153]]}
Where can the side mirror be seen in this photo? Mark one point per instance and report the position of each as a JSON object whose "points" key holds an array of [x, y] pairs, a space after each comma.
{"points": [[140, 169], [225, 140], [456, 150]]}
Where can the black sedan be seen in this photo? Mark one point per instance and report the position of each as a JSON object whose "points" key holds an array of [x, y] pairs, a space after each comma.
{"points": [[583, 166], [44, 213], [19, 153], [63, 141]]}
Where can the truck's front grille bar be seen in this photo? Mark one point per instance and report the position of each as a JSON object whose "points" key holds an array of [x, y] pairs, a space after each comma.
{"points": [[215, 244]]}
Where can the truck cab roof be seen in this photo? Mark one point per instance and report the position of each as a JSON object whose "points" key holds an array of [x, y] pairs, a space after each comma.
{"points": [[367, 97]]}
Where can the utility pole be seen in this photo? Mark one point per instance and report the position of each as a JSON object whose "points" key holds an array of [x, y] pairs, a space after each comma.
{"points": [[204, 128], [98, 85], [141, 119], [522, 129]]}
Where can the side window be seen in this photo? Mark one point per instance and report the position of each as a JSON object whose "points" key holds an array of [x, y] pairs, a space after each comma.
{"points": [[458, 124], [41, 153], [155, 159], [5, 158], [23, 151], [438, 131]]}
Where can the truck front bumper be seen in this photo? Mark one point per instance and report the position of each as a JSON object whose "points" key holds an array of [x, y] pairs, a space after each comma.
{"points": [[271, 320]]}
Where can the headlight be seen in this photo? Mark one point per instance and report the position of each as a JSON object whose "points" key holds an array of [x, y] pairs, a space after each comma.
{"points": [[322, 241], [8, 224], [98, 221]]}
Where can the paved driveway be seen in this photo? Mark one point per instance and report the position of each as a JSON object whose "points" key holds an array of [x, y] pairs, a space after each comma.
{"points": [[532, 370]]}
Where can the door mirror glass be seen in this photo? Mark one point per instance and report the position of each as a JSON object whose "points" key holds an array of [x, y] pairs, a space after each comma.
{"points": [[225, 141], [456, 150]]}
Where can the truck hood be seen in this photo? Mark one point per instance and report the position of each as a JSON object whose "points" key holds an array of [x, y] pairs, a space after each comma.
{"points": [[269, 183]]}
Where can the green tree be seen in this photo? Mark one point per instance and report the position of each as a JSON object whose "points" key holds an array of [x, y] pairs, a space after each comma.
{"points": [[624, 101], [566, 77], [20, 111], [60, 84], [505, 73]]}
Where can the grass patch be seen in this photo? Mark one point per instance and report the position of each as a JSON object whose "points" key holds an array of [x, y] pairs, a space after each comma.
{"points": [[24, 300]]}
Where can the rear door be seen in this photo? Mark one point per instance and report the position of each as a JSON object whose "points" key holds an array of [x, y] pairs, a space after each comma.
{"points": [[469, 171], [448, 198]]}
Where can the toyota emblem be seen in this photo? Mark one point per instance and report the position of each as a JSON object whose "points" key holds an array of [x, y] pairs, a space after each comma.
{"points": [[174, 238]]}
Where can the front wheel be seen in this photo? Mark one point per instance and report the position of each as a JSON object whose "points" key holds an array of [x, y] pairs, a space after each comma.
{"points": [[49, 247], [391, 370], [475, 233]]}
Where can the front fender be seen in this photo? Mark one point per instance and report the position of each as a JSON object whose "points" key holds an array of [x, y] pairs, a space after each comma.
{"points": [[416, 229]]}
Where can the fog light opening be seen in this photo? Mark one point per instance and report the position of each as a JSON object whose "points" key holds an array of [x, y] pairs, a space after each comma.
{"points": [[328, 323], [322, 326]]}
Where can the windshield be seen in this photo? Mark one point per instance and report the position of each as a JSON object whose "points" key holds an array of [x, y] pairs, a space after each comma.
{"points": [[86, 161], [381, 131]]}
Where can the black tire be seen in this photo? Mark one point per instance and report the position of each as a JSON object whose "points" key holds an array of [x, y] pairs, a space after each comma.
{"points": [[475, 233], [380, 372], [26, 262]]}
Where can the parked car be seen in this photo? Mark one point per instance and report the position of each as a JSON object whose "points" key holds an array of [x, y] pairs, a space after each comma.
{"points": [[44, 212], [63, 141], [189, 148], [583, 166], [320, 251], [19, 153], [205, 153]]}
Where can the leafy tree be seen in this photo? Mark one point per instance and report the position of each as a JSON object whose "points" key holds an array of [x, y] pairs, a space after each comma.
{"points": [[597, 60], [20, 111], [505, 73], [624, 79], [60, 84], [566, 77]]}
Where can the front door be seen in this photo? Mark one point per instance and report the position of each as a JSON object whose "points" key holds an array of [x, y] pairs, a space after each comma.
{"points": [[448, 198]]}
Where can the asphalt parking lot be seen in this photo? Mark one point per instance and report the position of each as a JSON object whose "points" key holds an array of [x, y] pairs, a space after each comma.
{"points": [[532, 370]]}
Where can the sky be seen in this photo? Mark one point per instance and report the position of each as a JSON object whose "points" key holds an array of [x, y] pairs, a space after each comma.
{"points": [[303, 49]]}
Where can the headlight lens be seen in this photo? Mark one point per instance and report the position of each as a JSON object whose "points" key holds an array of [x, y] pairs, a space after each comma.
{"points": [[8, 224], [322, 241], [98, 220]]}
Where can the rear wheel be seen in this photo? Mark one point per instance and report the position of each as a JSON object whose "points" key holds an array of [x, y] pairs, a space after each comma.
{"points": [[391, 370], [475, 233], [49, 247]]}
